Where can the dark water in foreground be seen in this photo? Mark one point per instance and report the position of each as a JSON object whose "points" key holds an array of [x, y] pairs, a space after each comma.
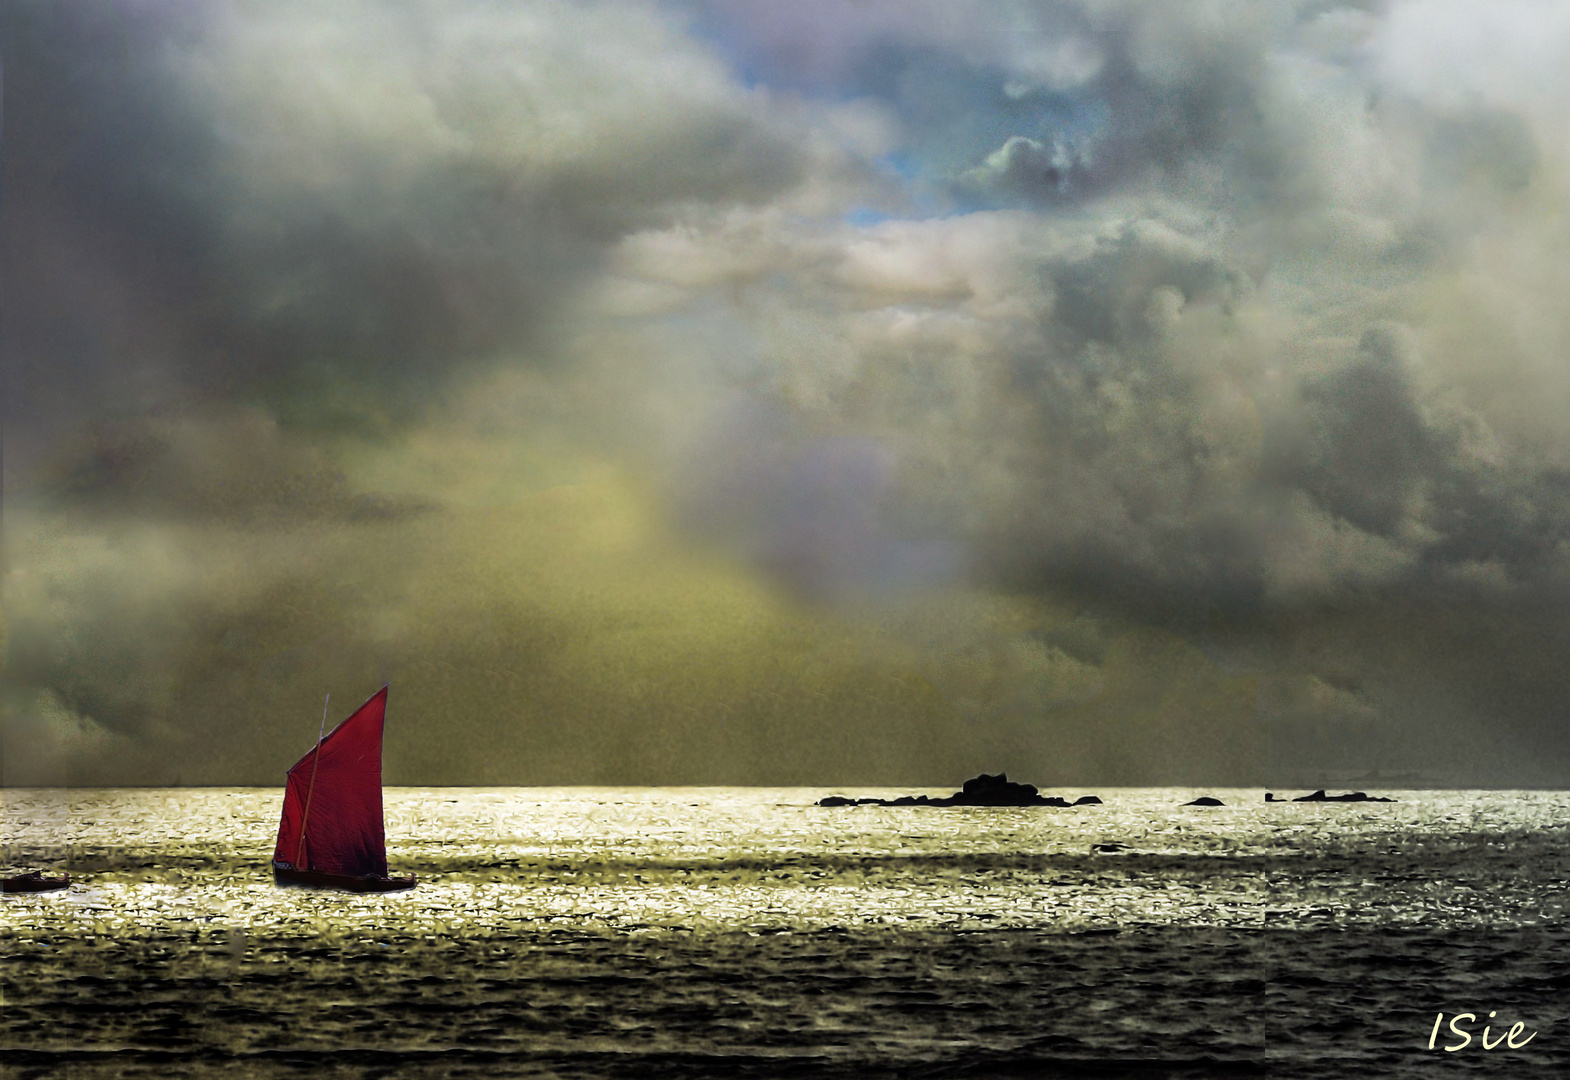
{"points": [[738, 932]]}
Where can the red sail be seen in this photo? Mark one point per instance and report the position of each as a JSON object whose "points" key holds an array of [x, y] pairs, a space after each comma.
{"points": [[341, 808]]}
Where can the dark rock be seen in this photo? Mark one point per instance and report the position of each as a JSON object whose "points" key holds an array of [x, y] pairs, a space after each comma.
{"points": [[1108, 849], [997, 790], [1270, 797], [1351, 796], [991, 787], [33, 881], [983, 790], [1205, 800], [1087, 800]]}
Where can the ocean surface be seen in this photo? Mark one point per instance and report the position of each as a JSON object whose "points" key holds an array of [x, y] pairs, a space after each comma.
{"points": [[745, 932]]}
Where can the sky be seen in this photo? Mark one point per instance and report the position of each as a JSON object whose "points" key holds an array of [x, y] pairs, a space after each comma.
{"points": [[847, 392]]}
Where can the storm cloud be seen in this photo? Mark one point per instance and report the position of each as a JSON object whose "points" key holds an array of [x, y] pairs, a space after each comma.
{"points": [[1112, 392]]}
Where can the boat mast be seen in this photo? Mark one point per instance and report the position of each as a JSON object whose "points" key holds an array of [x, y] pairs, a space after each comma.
{"points": [[317, 757]]}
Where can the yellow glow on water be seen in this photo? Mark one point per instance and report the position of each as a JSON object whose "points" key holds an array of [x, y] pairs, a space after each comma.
{"points": [[572, 927], [171, 861]]}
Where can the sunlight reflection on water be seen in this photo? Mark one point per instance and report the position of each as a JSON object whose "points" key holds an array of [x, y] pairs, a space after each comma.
{"points": [[721, 931], [769, 858]]}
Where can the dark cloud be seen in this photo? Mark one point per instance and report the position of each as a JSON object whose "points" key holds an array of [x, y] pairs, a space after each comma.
{"points": [[1173, 386], [1495, 147], [1368, 446], [1035, 172], [819, 514], [226, 464], [278, 203], [1194, 391]]}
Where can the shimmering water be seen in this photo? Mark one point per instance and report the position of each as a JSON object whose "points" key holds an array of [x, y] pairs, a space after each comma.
{"points": [[745, 932]]}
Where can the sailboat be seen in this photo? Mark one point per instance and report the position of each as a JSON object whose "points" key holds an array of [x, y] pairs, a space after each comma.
{"points": [[331, 832]]}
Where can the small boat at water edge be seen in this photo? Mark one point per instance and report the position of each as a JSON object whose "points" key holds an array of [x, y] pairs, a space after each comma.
{"points": [[330, 835], [33, 881]]}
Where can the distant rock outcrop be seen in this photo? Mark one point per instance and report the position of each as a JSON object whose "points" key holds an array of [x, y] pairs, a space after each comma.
{"points": [[1351, 796], [983, 790], [999, 790], [1205, 800], [33, 881]]}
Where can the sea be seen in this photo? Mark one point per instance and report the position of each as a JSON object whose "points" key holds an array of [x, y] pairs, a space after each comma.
{"points": [[748, 933]]}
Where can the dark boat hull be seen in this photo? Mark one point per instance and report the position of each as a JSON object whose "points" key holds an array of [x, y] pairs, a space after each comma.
{"points": [[34, 882], [316, 879]]}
